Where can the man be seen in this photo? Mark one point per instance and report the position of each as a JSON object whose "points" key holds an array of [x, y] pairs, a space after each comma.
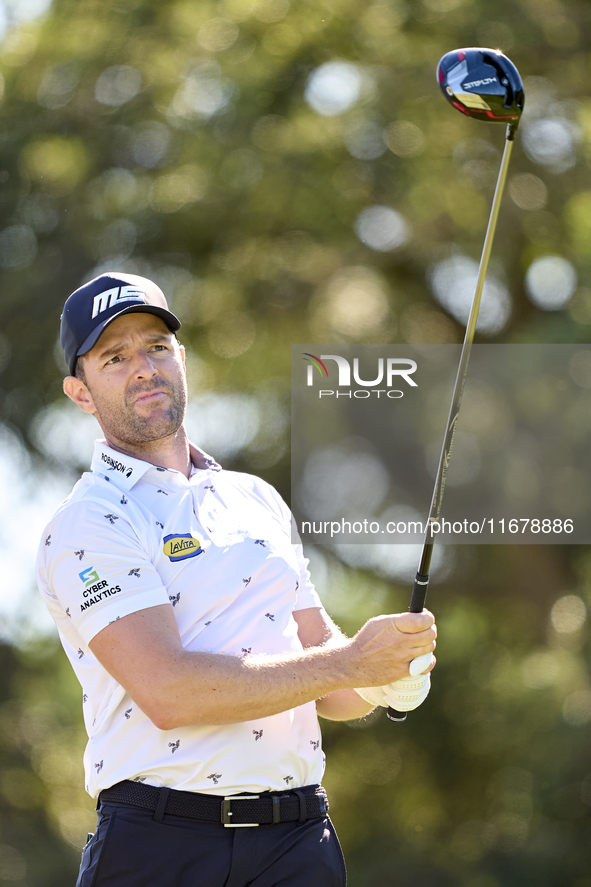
{"points": [[203, 651]]}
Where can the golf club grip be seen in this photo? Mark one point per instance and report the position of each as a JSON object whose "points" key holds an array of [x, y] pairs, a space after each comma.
{"points": [[419, 594], [417, 603]]}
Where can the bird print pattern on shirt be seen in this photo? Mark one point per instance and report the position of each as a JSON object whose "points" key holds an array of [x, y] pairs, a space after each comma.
{"points": [[314, 743], [123, 500], [249, 567], [98, 767], [79, 554], [48, 540]]}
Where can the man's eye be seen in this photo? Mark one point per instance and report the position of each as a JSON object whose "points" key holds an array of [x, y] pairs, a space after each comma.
{"points": [[115, 359], [158, 348]]}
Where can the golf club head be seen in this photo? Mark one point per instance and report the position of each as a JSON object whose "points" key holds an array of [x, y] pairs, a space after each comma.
{"points": [[482, 83]]}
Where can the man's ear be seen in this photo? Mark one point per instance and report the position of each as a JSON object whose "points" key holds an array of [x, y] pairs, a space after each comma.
{"points": [[77, 391]]}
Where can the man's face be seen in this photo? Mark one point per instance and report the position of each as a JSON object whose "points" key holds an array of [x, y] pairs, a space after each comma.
{"points": [[135, 376]]}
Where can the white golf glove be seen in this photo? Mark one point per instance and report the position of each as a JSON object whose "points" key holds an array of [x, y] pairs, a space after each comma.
{"points": [[405, 694]]}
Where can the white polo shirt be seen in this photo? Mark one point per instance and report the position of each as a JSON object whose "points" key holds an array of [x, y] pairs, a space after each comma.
{"points": [[217, 547]]}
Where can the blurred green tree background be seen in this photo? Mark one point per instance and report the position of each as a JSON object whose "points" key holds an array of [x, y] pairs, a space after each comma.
{"points": [[288, 172]]}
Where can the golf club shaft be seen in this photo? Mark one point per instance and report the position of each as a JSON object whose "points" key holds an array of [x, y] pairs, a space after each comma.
{"points": [[421, 583]]}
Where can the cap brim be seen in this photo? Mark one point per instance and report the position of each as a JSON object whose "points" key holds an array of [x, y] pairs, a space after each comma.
{"points": [[171, 321]]}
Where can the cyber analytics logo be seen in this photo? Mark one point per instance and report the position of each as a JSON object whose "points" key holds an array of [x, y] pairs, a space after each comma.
{"points": [[390, 371], [95, 588], [89, 576]]}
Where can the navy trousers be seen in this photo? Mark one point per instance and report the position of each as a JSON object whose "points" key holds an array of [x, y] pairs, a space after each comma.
{"points": [[131, 849]]}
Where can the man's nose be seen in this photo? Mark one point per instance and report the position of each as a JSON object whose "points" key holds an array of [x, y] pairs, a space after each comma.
{"points": [[143, 366]]}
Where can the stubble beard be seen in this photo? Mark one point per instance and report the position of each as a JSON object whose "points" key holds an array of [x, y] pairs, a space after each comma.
{"points": [[126, 425]]}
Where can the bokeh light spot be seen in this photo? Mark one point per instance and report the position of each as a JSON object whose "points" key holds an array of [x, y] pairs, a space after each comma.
{"points": [[270, 11], [382, 228], [551, 142], [172, 191], [528, 191], [576, 710], [540, 669], [333, 88], [356, 301], [203, 94], [550, 282], [57, 86], [150, 144], [454, 283], [117, 85], [568, 614], [364, 139], [58, 163], [218, 34], [405, 138]]}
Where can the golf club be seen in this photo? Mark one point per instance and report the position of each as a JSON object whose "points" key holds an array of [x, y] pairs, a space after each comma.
{"points": [[485, 84]]}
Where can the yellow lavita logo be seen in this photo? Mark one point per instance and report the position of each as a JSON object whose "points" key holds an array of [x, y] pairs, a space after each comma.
{"points": [[182, 545]]}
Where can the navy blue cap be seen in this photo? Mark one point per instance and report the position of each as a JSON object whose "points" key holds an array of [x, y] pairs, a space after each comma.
{"points": [[92, 307]]}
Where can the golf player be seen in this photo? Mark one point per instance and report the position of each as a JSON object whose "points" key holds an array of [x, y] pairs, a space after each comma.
{"points": [[203, 651]]}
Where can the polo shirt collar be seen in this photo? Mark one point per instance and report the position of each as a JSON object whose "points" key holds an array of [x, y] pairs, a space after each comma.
{"points": [[125, 471], [202, 461]]}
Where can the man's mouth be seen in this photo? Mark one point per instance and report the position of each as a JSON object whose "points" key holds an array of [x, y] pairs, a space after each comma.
{"points": [[149, 396]]}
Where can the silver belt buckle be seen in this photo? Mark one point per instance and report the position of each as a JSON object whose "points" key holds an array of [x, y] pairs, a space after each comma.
{"points": [[227, 813]]}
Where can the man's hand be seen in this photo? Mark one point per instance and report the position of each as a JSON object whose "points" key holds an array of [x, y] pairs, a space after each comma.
{"points": [[407, 693], [381, 651], [316, 628]]}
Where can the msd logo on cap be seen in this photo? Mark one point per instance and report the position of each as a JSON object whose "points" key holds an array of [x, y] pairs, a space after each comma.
{"points": [[114, 296]]}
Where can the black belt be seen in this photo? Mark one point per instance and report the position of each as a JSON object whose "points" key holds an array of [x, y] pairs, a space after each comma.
{"points": [[297, 805]]}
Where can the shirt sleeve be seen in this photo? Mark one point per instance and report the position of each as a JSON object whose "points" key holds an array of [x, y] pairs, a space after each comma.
{"points": [[307, 596], [94, 569]]}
